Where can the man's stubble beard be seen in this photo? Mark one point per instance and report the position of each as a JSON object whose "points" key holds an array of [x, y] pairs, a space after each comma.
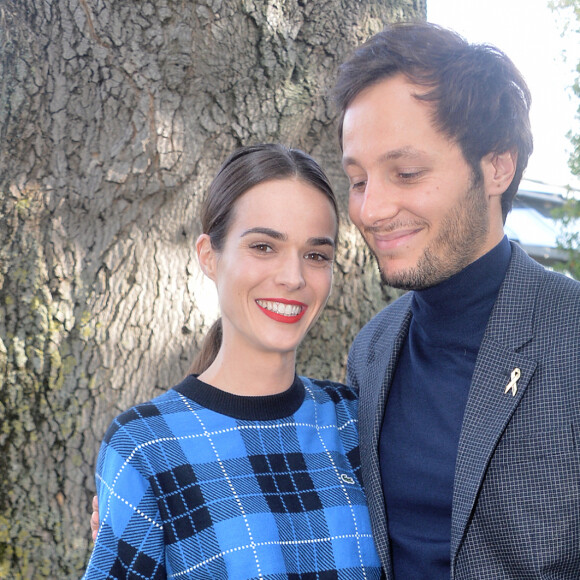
{"points": [[463, 232]]}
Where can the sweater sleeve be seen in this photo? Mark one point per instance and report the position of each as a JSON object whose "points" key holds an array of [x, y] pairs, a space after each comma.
{"points": [[130, 543]]}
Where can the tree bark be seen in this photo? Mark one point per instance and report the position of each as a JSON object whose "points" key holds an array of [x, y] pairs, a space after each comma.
{"points": [[114, 117]]}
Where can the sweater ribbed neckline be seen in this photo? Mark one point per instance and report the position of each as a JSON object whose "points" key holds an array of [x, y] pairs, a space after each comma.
{"points": [[249, 408]]}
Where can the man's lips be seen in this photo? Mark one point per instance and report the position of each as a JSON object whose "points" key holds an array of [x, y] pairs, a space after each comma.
{"points": [[282, 310], [391, 240]]}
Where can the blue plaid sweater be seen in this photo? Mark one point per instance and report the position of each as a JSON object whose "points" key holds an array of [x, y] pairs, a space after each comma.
{"points": [[200, 483]]}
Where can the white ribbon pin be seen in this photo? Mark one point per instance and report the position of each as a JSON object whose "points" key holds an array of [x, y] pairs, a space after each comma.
{"points": [[513, 384]]}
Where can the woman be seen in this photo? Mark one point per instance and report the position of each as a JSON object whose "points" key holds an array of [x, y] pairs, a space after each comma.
{"points": [[244, 470]]}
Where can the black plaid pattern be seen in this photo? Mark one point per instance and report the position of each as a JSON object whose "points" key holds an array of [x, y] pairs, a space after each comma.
{"points": [[322, 575], [140, 411], [285, 482], [181, 503], [133, 564], [338, 393], [354, 459]]}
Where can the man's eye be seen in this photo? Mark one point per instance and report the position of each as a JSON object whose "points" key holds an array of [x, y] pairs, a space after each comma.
{"points": [[409, 175], [358, 185]]}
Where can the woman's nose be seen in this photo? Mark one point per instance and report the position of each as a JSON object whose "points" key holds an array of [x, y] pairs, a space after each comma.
{"points": [[290, 272]]}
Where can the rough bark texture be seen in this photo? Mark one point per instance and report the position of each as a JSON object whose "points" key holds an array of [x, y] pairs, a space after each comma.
{"points": [[114, 116]]}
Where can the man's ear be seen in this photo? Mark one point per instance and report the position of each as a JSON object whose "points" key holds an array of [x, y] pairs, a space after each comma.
{"points": [[206, 256], [498, 171]]}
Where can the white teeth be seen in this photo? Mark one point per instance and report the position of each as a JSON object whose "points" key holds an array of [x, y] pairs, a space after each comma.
{"points": [[279, 308]]}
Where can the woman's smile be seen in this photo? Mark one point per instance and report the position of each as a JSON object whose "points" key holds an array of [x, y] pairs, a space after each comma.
{"points": [[288, 311]]}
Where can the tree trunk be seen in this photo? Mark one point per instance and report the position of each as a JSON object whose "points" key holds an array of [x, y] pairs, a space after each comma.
{"points": [[114, 116]]}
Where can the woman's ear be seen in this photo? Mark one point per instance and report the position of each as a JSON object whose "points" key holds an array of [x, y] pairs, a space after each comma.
{"points": [[498, 171], [206, 255]]}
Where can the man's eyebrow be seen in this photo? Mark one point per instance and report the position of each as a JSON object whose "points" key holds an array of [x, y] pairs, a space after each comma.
{"points": [[407, 152], [347, 161], [410, 152], [266, 232]]}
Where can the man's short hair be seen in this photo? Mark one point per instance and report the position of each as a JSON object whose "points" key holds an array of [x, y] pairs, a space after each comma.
{"points": [[480, 100]]}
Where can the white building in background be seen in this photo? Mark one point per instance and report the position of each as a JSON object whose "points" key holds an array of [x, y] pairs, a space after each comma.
{"points": [[531, 224]]}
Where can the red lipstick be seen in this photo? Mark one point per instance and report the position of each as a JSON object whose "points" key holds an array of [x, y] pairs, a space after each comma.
{"points": [[272, 309]]}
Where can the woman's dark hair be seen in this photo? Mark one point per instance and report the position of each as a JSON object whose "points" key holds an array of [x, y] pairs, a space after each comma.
{"points": [[480, 99], [243, 169]]}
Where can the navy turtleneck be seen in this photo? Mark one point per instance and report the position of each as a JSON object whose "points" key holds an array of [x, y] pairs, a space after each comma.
{"points": [[424, 412]]}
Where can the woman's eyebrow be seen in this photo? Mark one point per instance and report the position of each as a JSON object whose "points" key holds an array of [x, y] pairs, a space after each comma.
{"points": [[276, 235], [266, 232], [323, 241]]}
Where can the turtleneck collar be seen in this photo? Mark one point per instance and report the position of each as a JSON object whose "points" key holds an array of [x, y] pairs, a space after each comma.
{"points": [[458, 308]]}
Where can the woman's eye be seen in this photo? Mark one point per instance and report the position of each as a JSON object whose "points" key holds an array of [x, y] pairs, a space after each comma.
{"points": [[318, 257], [263, 248]]}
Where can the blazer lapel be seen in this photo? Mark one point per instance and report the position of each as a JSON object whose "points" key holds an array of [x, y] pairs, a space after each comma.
{"points": [[487, 413], [489, 407], [374, 389], [380, 372]]}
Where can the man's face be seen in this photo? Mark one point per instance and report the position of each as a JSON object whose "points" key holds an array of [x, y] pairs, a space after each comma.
{"points": [[413, 196]]}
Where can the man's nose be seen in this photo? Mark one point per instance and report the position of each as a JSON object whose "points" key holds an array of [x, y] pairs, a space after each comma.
{"points": [[379, 202]]}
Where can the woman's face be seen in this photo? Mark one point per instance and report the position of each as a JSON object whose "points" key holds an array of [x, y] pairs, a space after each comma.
{"points": [[274, 272]]}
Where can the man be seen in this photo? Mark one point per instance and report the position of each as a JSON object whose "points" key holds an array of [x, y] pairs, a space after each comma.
{"points": [[470, 384]]}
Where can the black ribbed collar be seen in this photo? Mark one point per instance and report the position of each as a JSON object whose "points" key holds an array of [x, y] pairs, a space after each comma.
{"points": [[260, 408]]}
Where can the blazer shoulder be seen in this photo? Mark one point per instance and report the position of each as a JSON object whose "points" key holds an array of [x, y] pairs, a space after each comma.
{"points": [[556, 292], [390, 317], [535, 307], [558, 305], [379, 335], [561, 284]]}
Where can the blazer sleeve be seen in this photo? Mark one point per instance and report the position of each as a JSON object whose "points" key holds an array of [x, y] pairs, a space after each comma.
{"points": [[351, 374]]}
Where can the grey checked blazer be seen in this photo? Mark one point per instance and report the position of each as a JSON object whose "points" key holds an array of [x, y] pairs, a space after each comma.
{"points": [[516, 498]]}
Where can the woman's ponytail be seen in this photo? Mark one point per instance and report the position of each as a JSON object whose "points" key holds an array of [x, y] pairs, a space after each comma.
{"points": [[209, 348]]}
